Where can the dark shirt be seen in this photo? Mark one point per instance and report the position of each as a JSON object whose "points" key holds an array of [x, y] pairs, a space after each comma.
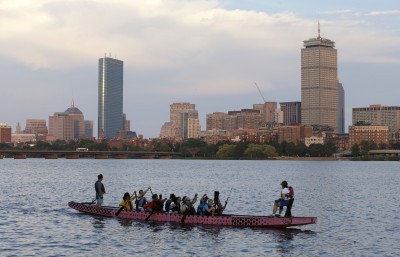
{"points": [[100, 190]]}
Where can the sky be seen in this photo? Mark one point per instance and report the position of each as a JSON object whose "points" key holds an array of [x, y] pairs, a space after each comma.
{"points": [[206, 52]]}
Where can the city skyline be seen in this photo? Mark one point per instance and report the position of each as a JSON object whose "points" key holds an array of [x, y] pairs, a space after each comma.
{"points": [[208, 53]]}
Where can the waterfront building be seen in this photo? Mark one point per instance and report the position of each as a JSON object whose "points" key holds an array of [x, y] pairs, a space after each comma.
{"points": [[247, 118], [61, 126], [18, 129], [319, 83], [378, 114], [373, 134], [184, 122], [341, 109], [294, 134], [23, 138], [5, 133], [88, 128], [313, 140], [220, 121], [110, 97], [68, 125], [35, 126], [189, 124], [291, 113], [267, 111], [166, 130]]}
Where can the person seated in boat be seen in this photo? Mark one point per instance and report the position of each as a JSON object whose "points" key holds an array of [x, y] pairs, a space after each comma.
{"points": [[126, 201], [208, 208], [203, 201], [283, 200], [160, 204], [219, 208], [141, 200], [156, 205], [187, 205], [175, 206], [151, 206], [172, 198]]}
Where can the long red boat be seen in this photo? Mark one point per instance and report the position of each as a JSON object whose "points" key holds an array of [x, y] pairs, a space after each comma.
{"points": [[223, 220]]}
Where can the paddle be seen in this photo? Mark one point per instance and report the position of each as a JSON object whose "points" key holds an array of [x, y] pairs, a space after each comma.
{"points": [[92, 202], [119, 210], [184, 217], [148, 217]]}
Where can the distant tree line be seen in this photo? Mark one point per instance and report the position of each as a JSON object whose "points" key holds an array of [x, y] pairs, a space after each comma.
{"points": [[198, 148]]}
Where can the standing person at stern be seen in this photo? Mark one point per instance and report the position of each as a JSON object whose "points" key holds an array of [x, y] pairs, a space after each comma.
{"points": [[100, 190]]}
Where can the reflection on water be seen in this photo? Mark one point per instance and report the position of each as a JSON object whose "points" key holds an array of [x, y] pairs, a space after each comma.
{"points": [[39, 222], [98, 222]]}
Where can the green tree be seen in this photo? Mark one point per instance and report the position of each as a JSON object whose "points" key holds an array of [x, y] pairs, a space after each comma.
{"points": [[301, 149], [255, 150], [365, 147], [270, 151], [291, 149], [226, 151], [240, 150], [355, 150]]}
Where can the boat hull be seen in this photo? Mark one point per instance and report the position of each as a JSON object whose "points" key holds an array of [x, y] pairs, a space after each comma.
{"points": [[224, 220]]}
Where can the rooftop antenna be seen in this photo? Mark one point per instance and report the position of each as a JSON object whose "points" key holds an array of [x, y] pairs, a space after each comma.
{"points": [[319, 31]]}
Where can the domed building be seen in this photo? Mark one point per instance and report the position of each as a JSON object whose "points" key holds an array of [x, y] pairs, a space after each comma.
{"points": [[78, 121], [68, 125]]}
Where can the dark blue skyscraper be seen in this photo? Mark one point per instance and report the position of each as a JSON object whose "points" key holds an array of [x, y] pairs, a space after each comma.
{"points": [[110, 97]]}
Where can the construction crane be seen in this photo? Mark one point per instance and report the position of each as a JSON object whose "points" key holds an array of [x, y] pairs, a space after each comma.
{"points": [[260, 91]]}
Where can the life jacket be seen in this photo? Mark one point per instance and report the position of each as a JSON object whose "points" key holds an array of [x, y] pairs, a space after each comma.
{"points": [[140, 203], [291, 192], [167, 205], [200, 207]]}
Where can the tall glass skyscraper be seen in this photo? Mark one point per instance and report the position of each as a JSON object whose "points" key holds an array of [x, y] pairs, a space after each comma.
{"points": [[110, 97]]}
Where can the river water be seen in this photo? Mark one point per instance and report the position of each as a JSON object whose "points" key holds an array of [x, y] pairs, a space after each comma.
{"points": [[357, 205]]}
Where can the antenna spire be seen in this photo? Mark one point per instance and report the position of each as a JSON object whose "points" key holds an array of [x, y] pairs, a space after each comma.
{"points": [[319, 31]]}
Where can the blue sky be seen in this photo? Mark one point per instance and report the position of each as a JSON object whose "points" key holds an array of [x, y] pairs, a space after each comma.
{"points": [[206, 52]]}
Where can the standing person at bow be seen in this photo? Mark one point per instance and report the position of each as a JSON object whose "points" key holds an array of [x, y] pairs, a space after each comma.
{"points": [[283, 200], [100, 190]]}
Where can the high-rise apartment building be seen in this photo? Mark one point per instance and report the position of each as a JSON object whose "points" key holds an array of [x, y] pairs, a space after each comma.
{"points": [[36, 126], [379, 115], [176, 118], [68, 125], [220, 121], [61, 126], [110, 97], [89, 128], [184, 122], [5, 133], [190, 125], [291, 113], [319, 83], [341, 109], [267, 111]]}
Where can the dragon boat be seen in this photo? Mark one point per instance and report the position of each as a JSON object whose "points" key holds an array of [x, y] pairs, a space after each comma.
{"points": [[222, 220]]}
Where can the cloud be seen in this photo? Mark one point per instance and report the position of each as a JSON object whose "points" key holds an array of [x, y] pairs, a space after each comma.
{"points": [[344, 11], [172, 50], [378, 13]]}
